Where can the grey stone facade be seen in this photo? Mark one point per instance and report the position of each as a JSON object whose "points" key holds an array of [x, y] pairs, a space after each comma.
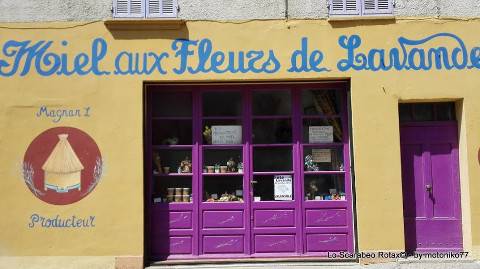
{"points": [[90, 10]]}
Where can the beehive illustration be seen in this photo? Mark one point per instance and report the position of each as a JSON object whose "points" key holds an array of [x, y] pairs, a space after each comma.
{"points": [[62, 169]]}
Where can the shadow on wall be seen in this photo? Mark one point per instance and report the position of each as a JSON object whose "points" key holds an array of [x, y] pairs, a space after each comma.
{"points": [[363, 22], [154, 29]]}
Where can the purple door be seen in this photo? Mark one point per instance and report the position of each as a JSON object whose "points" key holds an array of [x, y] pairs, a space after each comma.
{"points": [[247, 171], [431, 188]]}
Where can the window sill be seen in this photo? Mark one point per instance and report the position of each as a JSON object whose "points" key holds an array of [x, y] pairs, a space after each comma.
{"points": [[144, 24], [360, 18]]}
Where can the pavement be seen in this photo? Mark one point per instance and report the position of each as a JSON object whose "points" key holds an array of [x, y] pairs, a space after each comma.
{"points": [[397, 264]]}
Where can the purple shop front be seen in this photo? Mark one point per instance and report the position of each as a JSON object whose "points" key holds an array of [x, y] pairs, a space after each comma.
{"points": [[251, 170]]}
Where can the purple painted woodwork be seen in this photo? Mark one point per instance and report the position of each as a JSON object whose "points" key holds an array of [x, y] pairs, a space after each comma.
{"points": [[223, 244], [180, 220], [247, 229], [274, 243], [326, 242], [274, 218], [326, 217], [223, 219], [431, 187]]}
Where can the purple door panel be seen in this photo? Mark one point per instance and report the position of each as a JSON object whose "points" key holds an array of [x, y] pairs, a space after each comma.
{"points": [[274, 243], [223, 219], [431, 187], [223, 244], [274, 218], [326, 217], [326, 242]]}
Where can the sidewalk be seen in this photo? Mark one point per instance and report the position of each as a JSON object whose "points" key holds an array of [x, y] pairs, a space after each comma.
{"points": [[400, 264]]}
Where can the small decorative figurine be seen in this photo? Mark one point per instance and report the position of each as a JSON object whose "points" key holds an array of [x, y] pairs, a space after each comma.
{"points": [[310, 164], [217, 168], [231, 166], [207, 134], [158, 162], [240, 167], [170, 141], [312, 189], [186, 166]]}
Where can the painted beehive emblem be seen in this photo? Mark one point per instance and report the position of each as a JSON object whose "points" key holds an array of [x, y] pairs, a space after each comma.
{"points": [[62, 168], [62, 165]]}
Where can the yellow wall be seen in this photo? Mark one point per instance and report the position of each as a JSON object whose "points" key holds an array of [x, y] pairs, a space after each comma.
{"points": [[116, 125]]}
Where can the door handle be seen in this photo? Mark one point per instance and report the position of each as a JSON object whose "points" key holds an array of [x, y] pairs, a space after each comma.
{"points": [[253, 182], [428, 188]]}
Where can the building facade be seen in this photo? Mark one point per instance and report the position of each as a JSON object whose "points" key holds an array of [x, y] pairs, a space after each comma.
{"points": [[145, 131]]}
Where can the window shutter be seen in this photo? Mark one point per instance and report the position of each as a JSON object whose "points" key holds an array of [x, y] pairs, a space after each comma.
{"points": [[129, 9], [162, 8], [377, 7], [344, 7]]}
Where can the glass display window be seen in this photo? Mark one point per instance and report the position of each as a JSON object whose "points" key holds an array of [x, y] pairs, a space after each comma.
{"points": [[226, 162]]}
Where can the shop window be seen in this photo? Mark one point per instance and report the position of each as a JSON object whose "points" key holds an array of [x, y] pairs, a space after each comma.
{"points": [[424, 112], [145, 8], [360, 7], [324, 187]]}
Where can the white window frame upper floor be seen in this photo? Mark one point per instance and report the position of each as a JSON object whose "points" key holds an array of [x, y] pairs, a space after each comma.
{"points": [[351, 8], [145, 9]]}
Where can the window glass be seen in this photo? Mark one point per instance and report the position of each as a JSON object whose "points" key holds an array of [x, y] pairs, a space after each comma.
{"points": [[324, 187], [445, 111], [317, 131], [172, 132], [423, 112], [171, 104], [272, 131], [216, 132], [222, 104], [322, 159], [321, 102], [272, 159], [271, 103], [223, 188], [222, 160], [264, 188]]}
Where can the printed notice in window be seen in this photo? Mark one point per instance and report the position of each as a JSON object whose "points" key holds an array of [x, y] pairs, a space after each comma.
{"points": [[282, 187], [226, 134], [320, 134]]}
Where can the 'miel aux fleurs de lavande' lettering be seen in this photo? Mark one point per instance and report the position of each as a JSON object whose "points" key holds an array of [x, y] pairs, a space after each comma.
{"points": [[47, 58]]}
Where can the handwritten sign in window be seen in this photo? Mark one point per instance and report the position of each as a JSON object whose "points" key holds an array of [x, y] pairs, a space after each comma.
{"points": [[320, 134], [322, 155], [282, 187], [226, 134]]}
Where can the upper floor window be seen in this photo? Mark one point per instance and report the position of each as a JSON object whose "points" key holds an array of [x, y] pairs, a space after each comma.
{"points": [[360, 7], [145, 8]]}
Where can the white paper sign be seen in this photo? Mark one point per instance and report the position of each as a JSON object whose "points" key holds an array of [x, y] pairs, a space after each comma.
{"points": [[282, 187], [322, 155], [226, 134], [320, 134]]}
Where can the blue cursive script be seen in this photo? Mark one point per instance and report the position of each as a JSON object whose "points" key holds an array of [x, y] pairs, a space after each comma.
{"points": [[411, 55]]}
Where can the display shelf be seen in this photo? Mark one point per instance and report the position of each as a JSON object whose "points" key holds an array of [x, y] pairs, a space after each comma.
{"points": [[230, 174], [272, 173], [272, 145], [314, 117], [162, 147], [325, 145], [222, 146], [173, 175], [222, 118], [160, 118], [324, 172], [272, 117]]}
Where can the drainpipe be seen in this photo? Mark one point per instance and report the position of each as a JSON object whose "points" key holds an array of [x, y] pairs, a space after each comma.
{"points": [[286, 9]]}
